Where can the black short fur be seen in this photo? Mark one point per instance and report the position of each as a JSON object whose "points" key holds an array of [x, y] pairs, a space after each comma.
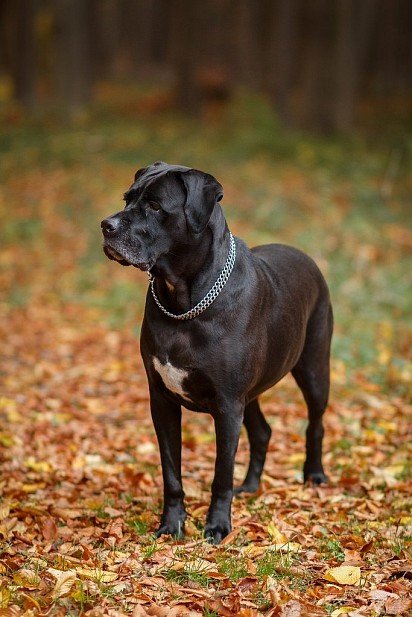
{"points": [[274, 316]]}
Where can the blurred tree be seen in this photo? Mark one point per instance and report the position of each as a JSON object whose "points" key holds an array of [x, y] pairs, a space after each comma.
{"points": [[73, 52], [314, 60], [246, 25], [19, 47], [186, 35], [317, 79], [282, 39], [346, 76]]}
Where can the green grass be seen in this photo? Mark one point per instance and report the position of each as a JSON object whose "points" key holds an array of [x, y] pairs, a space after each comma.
{"points": [[189, 575], [331, 549], [138, 526], [342, 200], [233, 566]]}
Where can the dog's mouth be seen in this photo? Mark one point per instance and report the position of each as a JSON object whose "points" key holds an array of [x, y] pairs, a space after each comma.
{"points": [[124, 260]]}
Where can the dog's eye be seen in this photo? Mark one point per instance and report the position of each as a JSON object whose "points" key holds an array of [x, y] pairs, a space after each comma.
{"points": [[153, 205]]}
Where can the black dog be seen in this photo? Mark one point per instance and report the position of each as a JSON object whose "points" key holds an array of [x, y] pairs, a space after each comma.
{"points": [[268, 313]]}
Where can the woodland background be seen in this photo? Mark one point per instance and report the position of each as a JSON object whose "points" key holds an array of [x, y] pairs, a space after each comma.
{"points": [[302, 110]]}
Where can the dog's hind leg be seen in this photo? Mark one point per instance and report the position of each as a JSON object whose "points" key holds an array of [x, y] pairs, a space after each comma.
{"points": [[312, 374], [259, 433]]}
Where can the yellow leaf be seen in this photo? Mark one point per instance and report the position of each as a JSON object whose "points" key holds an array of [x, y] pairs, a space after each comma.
{"points": [[299, 457], [276, 535], [41, 466], [6, 440], [33, 488], [406, 520], [4, 510], [285, 547], [97, 575], [5, 403], [344, 575], [5, 595], [343, 610], [27, 578], [64, 583], [388, 426], [252, 551], [200, 565], [394, 470], [372, 435]]}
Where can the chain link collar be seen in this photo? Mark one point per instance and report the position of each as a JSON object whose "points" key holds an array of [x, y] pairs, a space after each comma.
{"points": [[210, 296]]}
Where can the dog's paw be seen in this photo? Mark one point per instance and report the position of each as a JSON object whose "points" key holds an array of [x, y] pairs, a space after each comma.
{"points": [[250, 487], [172, 527], [215, 533], [316, 478]]}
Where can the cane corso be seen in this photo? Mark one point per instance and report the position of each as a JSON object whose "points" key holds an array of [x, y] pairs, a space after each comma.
{"points": [[222, 324]]}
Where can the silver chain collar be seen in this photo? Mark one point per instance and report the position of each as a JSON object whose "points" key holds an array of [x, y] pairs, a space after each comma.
{"points": [[210, 296]]}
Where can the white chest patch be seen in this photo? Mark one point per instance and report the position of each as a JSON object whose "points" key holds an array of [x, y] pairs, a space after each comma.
{"points": [[172, 377]]}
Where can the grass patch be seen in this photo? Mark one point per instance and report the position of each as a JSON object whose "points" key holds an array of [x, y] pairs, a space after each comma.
{"points": [[233, 566], [190, 574], [331, 548]]}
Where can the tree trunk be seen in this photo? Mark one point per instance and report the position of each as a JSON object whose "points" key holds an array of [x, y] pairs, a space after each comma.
{"points": [[73, 53], [317, 99], [186, 33], [246, 43], [24, 65], [281, 55], [346, 65]]}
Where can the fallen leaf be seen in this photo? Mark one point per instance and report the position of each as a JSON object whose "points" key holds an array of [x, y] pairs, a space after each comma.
{"points": [[97, 575], [344, 575], [293, 608], [398, 606], [27, 578], [276, 534], [49, 529], [342, 610], [64, 583]]}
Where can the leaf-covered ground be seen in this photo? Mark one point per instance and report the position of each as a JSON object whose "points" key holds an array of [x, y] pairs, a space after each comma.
{"points": [[80, 477]]}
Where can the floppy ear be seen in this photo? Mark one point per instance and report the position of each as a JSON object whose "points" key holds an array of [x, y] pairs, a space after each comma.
{"points": [[153, 166], [139, 173], [203, 192]]}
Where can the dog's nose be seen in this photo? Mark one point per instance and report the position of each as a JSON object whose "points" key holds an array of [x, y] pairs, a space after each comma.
{"points": [[109, 226]]}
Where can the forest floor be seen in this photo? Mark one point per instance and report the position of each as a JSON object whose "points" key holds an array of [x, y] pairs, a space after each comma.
{"points": [[81, 488]]}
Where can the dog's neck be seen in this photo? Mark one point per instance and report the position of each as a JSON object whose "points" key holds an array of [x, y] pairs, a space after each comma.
{"points": [[184, 277]]}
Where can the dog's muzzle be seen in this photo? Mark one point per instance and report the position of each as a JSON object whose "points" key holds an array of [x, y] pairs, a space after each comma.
{"points": [[113, 250]]}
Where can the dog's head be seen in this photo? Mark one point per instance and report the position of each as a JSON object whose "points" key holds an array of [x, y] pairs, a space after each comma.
{"points": [[166, 206]]}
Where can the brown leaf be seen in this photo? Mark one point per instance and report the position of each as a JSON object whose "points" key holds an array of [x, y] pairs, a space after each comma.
{"points": [[139, 611], [27, 578], [293, 608], [68, 513], [11, 611], [397, 606], [49, 529], [115, 528], [157, 611]]}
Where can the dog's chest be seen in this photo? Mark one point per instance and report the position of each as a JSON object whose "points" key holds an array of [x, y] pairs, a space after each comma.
{"points": [[172, 377]]}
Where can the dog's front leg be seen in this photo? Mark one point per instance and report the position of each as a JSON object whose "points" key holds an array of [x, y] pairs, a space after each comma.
{"points": [[167, 420], [227, 425]]}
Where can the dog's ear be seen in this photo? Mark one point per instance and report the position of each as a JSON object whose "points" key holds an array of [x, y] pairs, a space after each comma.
{"points": [[139, 173], [203, 192]]}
